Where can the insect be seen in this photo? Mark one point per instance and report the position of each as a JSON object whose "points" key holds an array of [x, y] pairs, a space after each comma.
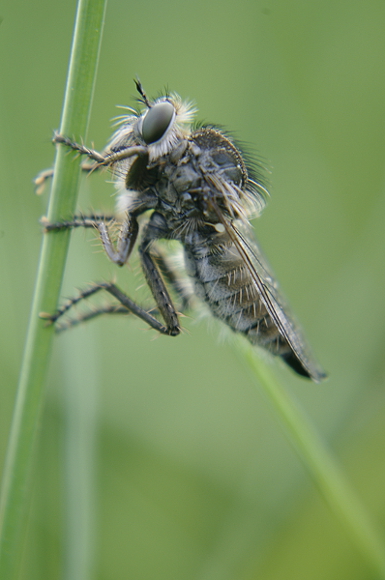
{"points": [[197, 189]]}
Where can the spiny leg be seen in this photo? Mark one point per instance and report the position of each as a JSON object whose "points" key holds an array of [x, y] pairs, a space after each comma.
{"points": [[43, 176], [78, 221], [128, 233], [157, 286], [158, 289], [123, 299], [172, 276], [100, 159], [86, 316], [169, 272], [107, 158]]}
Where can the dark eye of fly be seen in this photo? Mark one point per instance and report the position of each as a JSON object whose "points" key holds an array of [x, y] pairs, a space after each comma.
{"points": [[156, 121]]}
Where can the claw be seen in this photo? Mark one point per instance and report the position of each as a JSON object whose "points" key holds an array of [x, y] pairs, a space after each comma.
{"points": [[47, 317], [41, 180]]}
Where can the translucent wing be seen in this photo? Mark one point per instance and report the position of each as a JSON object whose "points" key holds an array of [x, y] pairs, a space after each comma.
{"points": [[243, 238]]}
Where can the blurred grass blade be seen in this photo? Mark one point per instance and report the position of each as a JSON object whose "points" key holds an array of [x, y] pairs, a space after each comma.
{"points": [[324, 470], [75, 117], [80, 410]]}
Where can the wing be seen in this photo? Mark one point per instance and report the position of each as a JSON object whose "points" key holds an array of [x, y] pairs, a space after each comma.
{"points": [[243, 238]]}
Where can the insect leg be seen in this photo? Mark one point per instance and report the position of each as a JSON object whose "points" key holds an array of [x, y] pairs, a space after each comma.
{"points": [[159, 290], [41, 179], [168, 272], [172, 276], [126, 240], [43, 176], [78, 221], [94, 313], [101, 158], [123, 299]]}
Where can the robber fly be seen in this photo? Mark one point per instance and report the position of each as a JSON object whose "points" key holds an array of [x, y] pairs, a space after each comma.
{"points": [[200, 192]]}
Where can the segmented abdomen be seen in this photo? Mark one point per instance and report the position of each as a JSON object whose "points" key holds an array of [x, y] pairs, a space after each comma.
{"points": [[223, 281]]}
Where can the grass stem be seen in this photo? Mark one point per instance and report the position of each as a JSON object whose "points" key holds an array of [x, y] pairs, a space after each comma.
{"points": [[323, 468], [30, 393]]}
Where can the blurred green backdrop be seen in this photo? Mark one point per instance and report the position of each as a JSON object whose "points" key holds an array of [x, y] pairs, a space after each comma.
{"points": [[188, 475]]}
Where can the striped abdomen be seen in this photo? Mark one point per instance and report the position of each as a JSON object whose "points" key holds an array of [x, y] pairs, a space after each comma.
{"points": [[224, 282]]}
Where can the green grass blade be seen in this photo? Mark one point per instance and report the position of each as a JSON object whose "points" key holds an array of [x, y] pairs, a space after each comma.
{"points": [[75, 117], [323, 468]]}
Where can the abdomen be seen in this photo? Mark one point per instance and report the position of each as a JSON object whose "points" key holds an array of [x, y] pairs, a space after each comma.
{"points": [[224, 283]]}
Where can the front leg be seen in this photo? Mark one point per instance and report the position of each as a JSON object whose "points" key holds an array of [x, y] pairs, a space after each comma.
{"points": [[126, 240], [43, 176], [107, 158]]}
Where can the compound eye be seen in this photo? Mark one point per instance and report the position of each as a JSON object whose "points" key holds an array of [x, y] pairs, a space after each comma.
{"points": [[156, 121]]}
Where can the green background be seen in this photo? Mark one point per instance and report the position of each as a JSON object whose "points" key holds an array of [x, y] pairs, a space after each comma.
{"points": [[188, 474]]}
